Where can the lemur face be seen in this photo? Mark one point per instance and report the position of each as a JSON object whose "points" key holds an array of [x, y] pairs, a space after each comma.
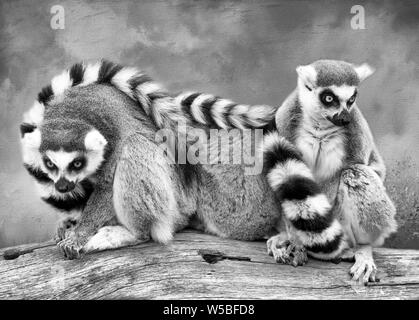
{"points": [[66, 169], [329, 88], [63, 157]]}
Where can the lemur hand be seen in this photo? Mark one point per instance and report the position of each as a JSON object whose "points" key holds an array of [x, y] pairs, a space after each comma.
{"points": [[64, 227], [71, 247], [286, 251]]}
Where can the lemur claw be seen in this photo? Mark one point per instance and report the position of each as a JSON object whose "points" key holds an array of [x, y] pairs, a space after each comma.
{"points": [[366, 267], [63, 228], [286, 251], [71, 248]]}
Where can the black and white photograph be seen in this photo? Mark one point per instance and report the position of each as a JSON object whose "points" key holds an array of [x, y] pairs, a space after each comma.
{"points": [[205, 150]]}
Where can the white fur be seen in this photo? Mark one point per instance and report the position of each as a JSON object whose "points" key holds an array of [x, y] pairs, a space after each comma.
{"points": [[144, 100], [91, 74], [235, 117], [322, 149], [294, 209], [240, 109], [95, 145], [94, 141], [164, 107], [309, 99], [272, 139], [364, 71], [110, 237], [121, 80], [61, 83], [318, 204], [257, 113], [196, 107], [162, 231], [30, 148], [148, 88], [310, 208], [282, 171], [35, 115], [344, 92], [179, 98], [218, 112], [307, 74]]}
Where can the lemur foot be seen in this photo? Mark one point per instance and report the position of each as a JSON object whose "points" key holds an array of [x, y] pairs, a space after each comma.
{"points": [[70, 247], [64, 227], [364, 265], [286, 251]]}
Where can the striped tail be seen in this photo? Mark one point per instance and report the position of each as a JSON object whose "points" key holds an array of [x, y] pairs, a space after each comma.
{"points": [[303, 204], [165, 110], [214, 112]]}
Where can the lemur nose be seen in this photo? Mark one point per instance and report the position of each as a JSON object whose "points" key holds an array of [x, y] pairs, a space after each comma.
{"points": [[63, 185]]}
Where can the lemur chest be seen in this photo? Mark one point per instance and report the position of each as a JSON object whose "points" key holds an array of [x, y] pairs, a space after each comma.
{"points": [[322, 150]]}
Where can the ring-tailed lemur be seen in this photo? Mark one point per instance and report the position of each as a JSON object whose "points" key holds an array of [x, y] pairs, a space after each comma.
{"points": [[321, 131], [89, 142]]}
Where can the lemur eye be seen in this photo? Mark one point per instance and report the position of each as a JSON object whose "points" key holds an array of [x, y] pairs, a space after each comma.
{"points": [[49, 164], [328, 98], [352, 99], [77, 164]]}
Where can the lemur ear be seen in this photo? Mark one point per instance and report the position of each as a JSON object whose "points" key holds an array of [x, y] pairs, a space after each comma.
{"points": [[307, 74], [364, 71], [94, 141]]}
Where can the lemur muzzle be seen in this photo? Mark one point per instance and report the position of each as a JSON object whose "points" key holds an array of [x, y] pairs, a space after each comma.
{"points": [[63, 185], [341, 119]]}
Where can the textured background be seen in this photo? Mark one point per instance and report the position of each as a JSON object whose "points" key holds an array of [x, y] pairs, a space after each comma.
{"points": [[244, 50]]}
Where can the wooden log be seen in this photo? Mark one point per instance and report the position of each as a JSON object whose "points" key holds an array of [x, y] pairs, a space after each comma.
{"points": [[239, 270]]}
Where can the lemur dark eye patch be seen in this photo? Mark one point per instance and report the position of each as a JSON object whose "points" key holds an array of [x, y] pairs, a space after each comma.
{"points": [[49, 164], [352, 99], [77, 164], [328, 98]]}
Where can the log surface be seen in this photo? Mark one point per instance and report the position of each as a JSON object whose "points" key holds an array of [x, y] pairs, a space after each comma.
{"points": [[179, 271]]}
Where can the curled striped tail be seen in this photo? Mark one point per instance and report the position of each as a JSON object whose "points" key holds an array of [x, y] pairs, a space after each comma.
{"points": [[303, 204], [215, 112], [165, 110]]}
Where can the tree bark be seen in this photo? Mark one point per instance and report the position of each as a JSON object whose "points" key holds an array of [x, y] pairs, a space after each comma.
{"points": [[196, 266]]}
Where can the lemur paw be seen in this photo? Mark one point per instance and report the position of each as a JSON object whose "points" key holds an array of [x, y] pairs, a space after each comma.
{"points": [[286, 251], [71, 248], [366, 267], [64, 227]]}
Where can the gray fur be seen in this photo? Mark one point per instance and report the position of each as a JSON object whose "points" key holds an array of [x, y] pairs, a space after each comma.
{"points": [[333, 72], [138, 189]]}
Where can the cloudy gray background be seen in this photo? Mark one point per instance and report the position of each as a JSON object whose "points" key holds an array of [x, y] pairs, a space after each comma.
{"points": [[243, 50]]}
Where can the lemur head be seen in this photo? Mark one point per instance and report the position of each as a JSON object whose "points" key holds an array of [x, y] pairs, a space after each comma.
{"points": [[64, 153], [329, 88], [68, 133]]}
